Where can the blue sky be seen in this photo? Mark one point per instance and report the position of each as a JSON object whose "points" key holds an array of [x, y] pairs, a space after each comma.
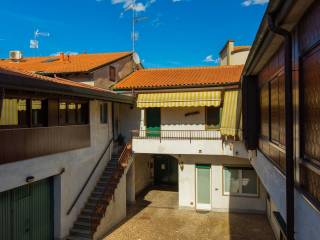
{"points": [[176, 32]]}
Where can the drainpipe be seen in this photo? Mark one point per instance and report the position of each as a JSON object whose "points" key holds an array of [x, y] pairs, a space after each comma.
{"points": [[289, 124]]}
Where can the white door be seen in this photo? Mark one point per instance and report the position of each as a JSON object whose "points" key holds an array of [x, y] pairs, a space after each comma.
{"points": [[203, 187]]}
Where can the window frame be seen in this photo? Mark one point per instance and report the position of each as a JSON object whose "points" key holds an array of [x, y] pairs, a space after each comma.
{"points": [[112, 74], [213, 127], [241, 194], [106, 110]]}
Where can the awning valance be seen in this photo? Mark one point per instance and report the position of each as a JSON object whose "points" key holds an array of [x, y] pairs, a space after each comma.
{"points": [[229, 121], [180, 99]]}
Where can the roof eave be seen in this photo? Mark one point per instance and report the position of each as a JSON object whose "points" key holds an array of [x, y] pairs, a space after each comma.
{"points": [[266, 43], [179, 87], [27, 83]]}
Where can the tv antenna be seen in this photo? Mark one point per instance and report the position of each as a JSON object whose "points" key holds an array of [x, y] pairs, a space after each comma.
{"points": [[34, 43]]}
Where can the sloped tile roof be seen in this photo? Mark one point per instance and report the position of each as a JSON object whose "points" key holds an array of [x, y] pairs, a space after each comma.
{"points": [[22, 73], [64, 64], [181, 77]]}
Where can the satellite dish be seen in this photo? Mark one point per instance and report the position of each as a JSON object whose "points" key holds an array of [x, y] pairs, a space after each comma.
{"points": [[136, 58]]}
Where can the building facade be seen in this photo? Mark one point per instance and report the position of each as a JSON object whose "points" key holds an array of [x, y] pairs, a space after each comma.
{"points": [[280, 108], [56, 140]]}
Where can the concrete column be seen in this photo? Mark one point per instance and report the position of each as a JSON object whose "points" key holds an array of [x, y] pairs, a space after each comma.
{"points": [[130, 187]]}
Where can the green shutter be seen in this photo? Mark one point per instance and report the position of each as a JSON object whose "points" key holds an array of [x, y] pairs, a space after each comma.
{"points": [[153, 122], [26, 212], [5, 215], [41, 204]]}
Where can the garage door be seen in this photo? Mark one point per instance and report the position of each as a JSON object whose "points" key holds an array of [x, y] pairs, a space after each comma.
{"points": [[26, 212]]}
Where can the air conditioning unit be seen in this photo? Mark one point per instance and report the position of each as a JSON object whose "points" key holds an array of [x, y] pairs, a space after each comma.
{"points": [[15, 55]]}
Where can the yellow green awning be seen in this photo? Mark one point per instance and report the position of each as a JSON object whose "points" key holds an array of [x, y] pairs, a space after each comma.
{"points": [[9, 114], [180, 99], [229, 113]]}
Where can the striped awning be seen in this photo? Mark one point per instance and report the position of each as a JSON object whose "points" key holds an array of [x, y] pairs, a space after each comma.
{"points": [[180, 99], [9, 113], [229, 121]]}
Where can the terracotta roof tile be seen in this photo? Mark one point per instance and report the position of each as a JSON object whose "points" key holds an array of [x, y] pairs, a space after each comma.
{"points": [[181, 77], [60, 81], [240, 48], [66, 64]]}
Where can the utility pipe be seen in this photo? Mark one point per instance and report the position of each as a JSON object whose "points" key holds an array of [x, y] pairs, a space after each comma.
{"points": [[289, 123]]}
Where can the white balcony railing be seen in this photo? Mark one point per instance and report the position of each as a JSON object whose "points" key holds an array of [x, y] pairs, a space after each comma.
{"points": [[177, 134]]}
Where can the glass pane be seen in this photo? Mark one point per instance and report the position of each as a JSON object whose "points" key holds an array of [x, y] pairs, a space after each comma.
{"points": [[22, 113], [203, 185], [249, 182], [38, 113], [231, 180], [62, 113], [213, 116], [71, 113]]}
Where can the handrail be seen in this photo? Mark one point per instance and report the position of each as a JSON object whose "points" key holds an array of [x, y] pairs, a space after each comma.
{"points": [[123, 159], [213, 134], [122, 164], [89, 177]]}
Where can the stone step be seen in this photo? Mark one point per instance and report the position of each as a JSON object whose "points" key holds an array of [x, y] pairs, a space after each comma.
{"points": [[77, 238], [81, 233]]}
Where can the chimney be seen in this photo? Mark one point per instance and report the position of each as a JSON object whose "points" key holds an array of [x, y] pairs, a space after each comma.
{"points": [[225, 53], [62, 56]]}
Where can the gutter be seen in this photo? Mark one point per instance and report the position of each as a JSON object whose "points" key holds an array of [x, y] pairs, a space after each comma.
{"points": [[184, 88], [288, 120]]}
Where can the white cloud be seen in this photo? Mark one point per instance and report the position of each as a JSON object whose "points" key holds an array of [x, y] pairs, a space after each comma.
{"points": [[128, 4], [210, 58], [248, 3]]}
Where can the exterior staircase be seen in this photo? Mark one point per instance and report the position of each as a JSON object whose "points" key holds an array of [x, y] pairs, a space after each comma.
{"points": [[100, 198]]}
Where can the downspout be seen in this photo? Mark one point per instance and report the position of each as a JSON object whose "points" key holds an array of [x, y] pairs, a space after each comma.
{"points": [[289, 123]]}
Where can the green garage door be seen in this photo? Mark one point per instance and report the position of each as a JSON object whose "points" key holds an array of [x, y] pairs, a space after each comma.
{"points": [[26, 212]]}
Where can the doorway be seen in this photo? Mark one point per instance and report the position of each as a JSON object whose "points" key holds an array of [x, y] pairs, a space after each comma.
{"points": [[203, 187], [26, 212], [153, 122], [165, 170]]}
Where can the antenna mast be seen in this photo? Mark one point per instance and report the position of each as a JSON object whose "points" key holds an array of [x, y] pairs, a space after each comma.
{"points": [[133, 25]]}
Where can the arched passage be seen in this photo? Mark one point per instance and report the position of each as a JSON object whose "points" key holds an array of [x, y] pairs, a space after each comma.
{"points": [[165, 170]]}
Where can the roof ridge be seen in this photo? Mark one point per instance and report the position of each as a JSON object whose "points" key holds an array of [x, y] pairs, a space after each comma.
{"points": [[192, 67], [80, 54]]}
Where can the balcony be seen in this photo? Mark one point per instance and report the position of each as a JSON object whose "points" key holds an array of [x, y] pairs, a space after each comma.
{"points": [[203, 142]]}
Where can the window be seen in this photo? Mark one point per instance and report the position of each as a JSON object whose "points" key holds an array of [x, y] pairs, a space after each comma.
{"points": [[38, 113], [104, 113], [240, 181], [62, 113], [14, 113], [82, 113], [72, 113], [112, 73], [213, 117]]}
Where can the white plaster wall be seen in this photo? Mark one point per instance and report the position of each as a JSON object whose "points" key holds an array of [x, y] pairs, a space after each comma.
{"points": [[128, 120], [143, 173], [273, 222], [239, 58], [175, 119], [78, 165], [187, 187], [274, 182], [185, 146], [116, 211]]}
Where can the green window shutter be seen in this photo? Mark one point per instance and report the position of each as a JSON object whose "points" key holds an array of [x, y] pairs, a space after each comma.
{"points": [[5, 215]]}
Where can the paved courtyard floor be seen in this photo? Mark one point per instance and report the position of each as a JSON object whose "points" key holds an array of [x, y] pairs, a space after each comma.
{"points": [[156, 216]]}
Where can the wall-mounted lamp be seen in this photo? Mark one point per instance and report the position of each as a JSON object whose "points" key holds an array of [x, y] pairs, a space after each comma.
{"points": [[181, 165], [29, 179]]}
